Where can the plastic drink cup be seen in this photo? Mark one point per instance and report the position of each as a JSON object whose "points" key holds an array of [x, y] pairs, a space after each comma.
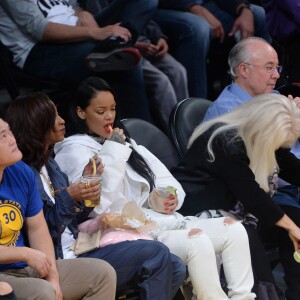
{"points": [[87, 180], [159, 198]]}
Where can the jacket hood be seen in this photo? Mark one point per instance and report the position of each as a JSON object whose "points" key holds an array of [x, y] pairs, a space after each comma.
{"points": [[77, 139]]}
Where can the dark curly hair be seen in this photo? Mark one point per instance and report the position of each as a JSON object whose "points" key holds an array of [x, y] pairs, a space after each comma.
{"points": [[31, 117]]}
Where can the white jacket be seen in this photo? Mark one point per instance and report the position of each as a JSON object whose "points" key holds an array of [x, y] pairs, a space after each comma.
{"points": [[120, 182]]}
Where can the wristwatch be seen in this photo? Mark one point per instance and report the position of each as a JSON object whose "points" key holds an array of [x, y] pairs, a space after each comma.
{"points": [[245, 5]]}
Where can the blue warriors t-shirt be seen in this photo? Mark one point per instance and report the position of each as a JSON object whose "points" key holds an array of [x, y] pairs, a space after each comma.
{"points": [[19, 199]]}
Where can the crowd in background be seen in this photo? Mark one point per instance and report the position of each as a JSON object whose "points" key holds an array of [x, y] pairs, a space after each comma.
{"points": [[242, 161]]}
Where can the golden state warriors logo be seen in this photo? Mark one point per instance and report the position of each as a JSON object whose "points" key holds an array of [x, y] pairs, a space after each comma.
{"points": [[11, 222]]}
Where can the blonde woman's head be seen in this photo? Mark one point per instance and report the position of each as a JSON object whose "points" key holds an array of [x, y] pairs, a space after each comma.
{"points": [[269, 118], [265, 123]]}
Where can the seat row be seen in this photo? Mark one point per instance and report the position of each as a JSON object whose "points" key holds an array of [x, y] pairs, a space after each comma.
{"points": [[186, 115]]}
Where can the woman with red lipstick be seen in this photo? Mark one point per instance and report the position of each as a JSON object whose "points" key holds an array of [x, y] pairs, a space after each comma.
{"points": [[145, 264], [131, 172]]}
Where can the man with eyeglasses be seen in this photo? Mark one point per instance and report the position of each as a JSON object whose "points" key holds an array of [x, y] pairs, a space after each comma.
{"points": [[253, 65], [254, 69]]}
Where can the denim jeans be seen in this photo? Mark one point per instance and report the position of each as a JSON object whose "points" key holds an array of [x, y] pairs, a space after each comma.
{"points": [[147, 264], [288, 195], [134, 13], [227, 20], [189, 39], [65, 62]]}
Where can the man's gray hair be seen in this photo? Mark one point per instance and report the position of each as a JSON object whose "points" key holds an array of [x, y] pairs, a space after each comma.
{"points": [[241, 53]]}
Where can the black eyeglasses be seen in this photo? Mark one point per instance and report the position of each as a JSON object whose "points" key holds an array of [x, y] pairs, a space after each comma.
{"points": [[269, 69]]}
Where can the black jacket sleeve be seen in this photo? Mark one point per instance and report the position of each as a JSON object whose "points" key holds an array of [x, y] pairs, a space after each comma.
{"points": [[231, 165]]}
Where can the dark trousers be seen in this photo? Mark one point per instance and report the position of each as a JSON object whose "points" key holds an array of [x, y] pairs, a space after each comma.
{"points": [[278, 237], [147, 264], [10, 296], [291, 268], [260, 263], [261, 266]]}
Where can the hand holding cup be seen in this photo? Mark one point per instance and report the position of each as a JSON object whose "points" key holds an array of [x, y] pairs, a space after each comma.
{"points": [[163, 200], [82, 190], [89, 181]]}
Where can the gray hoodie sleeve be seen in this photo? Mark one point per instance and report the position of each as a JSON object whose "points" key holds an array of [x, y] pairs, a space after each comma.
{"points": [[27, 16]]}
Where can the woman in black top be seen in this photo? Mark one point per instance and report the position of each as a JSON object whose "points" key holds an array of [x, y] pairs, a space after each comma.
{"points": [[232, 165]]}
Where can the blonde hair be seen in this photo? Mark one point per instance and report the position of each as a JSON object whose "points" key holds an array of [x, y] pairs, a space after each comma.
{"points": [[265, 123]]}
